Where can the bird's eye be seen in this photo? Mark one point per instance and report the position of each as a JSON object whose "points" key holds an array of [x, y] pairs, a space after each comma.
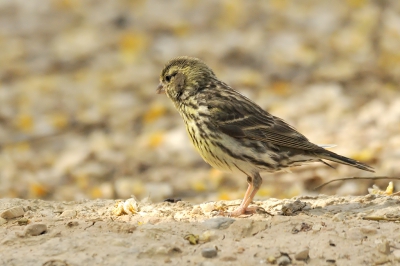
{"points": [[169, 77]]}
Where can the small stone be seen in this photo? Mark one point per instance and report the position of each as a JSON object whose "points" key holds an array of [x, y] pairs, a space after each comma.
{"points": [[161, 250], [228, 258], [208, 207], [68, 214], [209, 252], [196, 210], [72, 223], [2, 221], [12, 213], [381, 259], [240, 250], [302, 255], [207, 236], [355, 233], [316, 227], [271, 259], [339, 217], [396, 254], [283, 260], [384, 248], [368, 230], [293, 207], [218, 223], [35, 229], [23, 221]]}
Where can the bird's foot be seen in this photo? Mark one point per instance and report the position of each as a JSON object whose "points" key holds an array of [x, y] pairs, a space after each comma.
{"points": [[243, 211]]}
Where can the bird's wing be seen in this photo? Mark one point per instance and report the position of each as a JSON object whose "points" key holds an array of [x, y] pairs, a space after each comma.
{"points": [[247, 120]]}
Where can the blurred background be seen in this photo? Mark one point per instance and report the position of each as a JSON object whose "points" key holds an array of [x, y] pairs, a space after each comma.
{"points": [[79, 117]]}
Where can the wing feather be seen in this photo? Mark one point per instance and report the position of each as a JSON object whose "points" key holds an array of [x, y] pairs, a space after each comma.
{"points": [[245, 119]]}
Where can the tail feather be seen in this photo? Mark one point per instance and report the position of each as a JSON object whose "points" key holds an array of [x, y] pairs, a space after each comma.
{"points": [[331, 156]]}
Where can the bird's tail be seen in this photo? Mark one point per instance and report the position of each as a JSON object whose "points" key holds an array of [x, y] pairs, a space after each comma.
{"points": [[331, 156]]}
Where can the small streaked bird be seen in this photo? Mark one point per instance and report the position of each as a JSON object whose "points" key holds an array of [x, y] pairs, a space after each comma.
{"points": [[231, 132]]}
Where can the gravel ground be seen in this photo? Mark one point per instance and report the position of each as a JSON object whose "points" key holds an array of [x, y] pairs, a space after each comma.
{"points": [[322, 230]]}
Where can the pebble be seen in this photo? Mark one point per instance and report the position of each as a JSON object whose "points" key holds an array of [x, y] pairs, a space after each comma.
{"points": [[381, 259], [384, 248], [12, 213], [228, 258], [68, 214], [302, 255], [35, 229], [369, 230], [283, 260], [293, 207], [218, 222], [208, 236], [396, 254], [271, 259], [2, 221], [355, 233], [209, 252], [339, 217], [208, 207]]}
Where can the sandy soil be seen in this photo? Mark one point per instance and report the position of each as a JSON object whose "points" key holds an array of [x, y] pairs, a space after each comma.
{"points": [[323, 230]]}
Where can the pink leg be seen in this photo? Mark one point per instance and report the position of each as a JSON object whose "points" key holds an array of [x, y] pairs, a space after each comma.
{"points": [[254, 185]]}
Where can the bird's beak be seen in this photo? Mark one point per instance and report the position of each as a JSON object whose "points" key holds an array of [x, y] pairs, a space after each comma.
{"points": [[160, 89]]}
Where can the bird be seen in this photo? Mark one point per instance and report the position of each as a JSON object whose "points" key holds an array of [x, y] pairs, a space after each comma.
{"points": [[232, 133]]}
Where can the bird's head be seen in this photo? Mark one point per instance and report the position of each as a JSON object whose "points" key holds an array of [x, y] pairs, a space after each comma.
{"points": [[182, 77]]}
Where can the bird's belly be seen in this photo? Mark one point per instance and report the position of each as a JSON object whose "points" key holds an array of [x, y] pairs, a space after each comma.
{"points": [[226, 153]]}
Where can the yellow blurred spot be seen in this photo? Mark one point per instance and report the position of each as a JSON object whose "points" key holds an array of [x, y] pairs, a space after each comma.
{"points": [[59, 120], [356, 3], [80, 75], [181, 29], [292, 192], [280, 88], [156, 139], [37, 190], [131, 45], [223, 195], [232, 12], [216, 177], [138, 187], [279, 4], [82, 181], [96, 193], [389, 60], [199, 185], [251, 79], [24, 123], [107, 79], [66, 4], [265, 191], [18, 147], [154, 113], [364, 155]]}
